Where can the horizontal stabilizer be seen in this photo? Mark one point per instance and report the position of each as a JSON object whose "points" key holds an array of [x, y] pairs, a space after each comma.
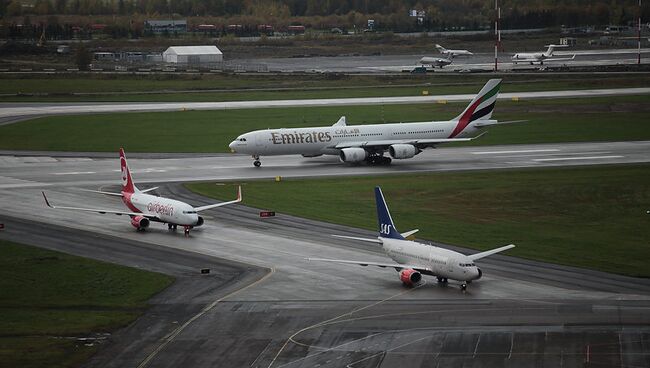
{"points": [[409, 233], [476, 256]]}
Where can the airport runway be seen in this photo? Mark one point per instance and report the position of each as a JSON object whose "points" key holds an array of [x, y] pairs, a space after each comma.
{"points": [[306, 314], [26, 171], [477, 62], [14, 112]]}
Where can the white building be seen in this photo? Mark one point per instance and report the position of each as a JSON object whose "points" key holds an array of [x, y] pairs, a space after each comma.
{"points": [[192, 55]]}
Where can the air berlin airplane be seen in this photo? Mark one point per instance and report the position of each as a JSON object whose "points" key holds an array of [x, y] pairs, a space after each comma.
{"points": [[146, 207]]}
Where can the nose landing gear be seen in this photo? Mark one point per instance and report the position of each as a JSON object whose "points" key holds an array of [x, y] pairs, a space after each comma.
{"points": [[257, 162]]}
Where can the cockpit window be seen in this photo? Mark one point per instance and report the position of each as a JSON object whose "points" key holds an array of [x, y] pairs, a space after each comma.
{"points": [[242, 139], [466, 264], [189, 212]]}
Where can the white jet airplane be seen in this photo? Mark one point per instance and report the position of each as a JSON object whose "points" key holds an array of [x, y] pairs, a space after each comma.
{"points": [[415, 259], [146, 207], [434, 61], [453, 53], [538, 57], [369, 142]]}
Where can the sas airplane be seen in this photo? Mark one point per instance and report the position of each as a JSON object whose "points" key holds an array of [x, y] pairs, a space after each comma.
{"points": [[369, 142], [146, 207], [413, 259], [538, 57]]}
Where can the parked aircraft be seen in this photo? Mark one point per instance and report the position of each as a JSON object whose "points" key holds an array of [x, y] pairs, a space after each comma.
{"points": [[413, 259], [538, 57], [369, 142], [146, 207], [453, 53]]}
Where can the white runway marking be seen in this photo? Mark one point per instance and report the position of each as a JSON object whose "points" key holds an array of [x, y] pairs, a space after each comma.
{"points": [[577, 158], [74, 173], [518, 151]]}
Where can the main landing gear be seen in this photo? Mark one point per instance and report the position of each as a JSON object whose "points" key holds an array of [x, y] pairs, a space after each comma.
{"points": [[257, 162], [171, 226], [378, 160], [442, 280]]}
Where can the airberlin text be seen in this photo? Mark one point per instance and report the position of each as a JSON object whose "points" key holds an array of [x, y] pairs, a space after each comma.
{"points": [[160, 209], [295, 137]]}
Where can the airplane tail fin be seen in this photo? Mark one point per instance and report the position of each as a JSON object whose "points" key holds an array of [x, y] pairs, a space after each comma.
{"points": [[550, 50], [480, 108], [441, 49], [127, 182], [386, 226]]}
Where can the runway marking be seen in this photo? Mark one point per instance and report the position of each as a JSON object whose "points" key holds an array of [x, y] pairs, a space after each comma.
{"points": [[577, 158], [349, 365], [559, 154], [476, 347], [169, 338], [518, 151], [322, 323], [75, 173]]}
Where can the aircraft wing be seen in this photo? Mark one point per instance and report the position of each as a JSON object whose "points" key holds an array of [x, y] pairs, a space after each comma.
{"points": [[416, 142], [396, 266], [476, 256], [210, 206], [560, 59], [102, 211], [484, 123]]}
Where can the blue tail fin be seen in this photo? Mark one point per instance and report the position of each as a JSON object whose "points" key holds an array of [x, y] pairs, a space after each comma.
{"points": [[386, 226]]}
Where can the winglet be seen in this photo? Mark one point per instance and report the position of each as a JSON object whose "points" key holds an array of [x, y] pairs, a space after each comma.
{"points": [[46, 201], [239, 196], [341, 122]]}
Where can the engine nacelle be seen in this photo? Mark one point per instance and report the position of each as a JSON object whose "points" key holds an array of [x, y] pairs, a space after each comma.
{"points": [[480, 273], [200, 222], [410, 277], [402, 151], [353, 154], [140, 222]]}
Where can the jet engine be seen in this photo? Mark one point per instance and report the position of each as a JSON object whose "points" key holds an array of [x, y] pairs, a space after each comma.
{"points": [[140, 222], [410, 277], [480, 273], [200, 222], [401, 151], [353, 154]]}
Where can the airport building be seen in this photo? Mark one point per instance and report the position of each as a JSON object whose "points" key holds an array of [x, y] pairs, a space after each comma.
{"points": [[192, 55]]}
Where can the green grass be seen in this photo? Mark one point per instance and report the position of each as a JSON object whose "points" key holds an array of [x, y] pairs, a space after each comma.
{"points": [[243, 87], [50, 298], [592, 217], [212, 131]]}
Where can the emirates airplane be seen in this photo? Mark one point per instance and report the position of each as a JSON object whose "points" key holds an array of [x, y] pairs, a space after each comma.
{"points": [[369, 142], [413, 259], [146, 207]]}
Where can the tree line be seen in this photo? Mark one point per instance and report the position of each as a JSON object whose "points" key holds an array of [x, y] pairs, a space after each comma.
{"points": [[390, 15]]}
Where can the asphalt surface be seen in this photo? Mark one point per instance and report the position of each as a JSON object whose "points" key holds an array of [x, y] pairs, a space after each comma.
{"points": [[15, 112], [477, 62], [308, 314], [25, 171]]}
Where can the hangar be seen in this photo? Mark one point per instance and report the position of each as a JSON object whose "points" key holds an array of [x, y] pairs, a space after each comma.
{"points": [[192, 55]]}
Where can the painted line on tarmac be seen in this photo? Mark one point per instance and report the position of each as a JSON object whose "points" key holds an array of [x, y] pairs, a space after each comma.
{"points": [[577, 158], [517, 151], [205, 310]]}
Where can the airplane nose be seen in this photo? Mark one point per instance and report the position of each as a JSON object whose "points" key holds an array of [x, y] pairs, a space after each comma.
{"points": [[232, 146]]}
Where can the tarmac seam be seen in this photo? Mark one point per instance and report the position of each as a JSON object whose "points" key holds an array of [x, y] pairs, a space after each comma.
{"points": [[169, 338]]}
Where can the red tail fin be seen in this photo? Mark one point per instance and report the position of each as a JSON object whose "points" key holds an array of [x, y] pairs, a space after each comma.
{"points": [[127, 181]]}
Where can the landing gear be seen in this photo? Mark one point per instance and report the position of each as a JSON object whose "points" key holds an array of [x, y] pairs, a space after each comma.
{"points": [[187, 230], [257, 162], [172, 227], [463, 286], [442, 280], [378, 160]]}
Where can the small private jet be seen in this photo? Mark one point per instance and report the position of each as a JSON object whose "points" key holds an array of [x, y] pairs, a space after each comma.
{"points": [[413, 259], [453, 53], [145, 208], [539, 57]]}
